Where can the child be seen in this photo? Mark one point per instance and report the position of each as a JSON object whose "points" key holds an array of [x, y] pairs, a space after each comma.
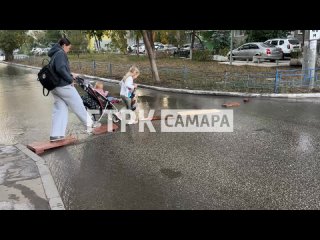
{"points": [[128, 87], [99, 88]]}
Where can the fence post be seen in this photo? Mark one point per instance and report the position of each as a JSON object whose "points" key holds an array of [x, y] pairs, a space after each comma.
{"points": [[185, 76], [276, 82], [94, 67], [185, 73], [110, 69], [312, 77]]}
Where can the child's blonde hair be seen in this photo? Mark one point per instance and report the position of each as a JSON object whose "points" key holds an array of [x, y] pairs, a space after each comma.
{"points": [[133, 70], [98, 85]]}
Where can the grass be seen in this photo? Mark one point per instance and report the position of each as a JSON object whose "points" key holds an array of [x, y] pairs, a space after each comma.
{"points": [[143, 61], [173, 72]]}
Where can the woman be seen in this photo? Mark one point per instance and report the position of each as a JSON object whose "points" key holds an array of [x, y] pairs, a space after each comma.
{"points": [[65, 95]]}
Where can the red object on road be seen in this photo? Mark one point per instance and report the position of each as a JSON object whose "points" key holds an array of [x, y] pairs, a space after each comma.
{"points": [[104, 128], [231, 104], [40, 147]]}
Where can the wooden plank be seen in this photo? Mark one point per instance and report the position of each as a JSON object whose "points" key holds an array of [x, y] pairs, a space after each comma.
{"points": [[104, 129], [40, 147], [151, 119], [231, 104], [154, 118]]}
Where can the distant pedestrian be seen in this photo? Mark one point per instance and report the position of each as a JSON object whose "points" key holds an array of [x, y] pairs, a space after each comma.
{"points": [[65, 95]]}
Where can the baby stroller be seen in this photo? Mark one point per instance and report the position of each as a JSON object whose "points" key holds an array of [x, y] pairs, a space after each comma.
{"points": [[95, 103]]}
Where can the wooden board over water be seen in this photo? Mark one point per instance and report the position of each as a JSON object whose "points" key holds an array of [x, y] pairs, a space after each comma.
{"points": [[104, 129], [40, 147]]}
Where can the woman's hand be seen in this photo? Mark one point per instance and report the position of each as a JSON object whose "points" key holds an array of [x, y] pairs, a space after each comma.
{"points": [[74, 75]]}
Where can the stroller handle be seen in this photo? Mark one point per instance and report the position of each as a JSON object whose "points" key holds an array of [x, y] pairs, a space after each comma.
{"points": [[82, 81]]}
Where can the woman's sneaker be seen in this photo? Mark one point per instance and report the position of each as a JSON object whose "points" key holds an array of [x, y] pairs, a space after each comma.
{"points": [[94, 125]]}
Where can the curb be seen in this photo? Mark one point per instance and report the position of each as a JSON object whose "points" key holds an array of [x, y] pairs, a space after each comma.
{"points": [[199, 92], [49, 186]]}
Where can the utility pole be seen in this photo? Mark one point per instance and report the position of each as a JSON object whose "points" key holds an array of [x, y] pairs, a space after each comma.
{"points": [[309, 57], [231, 45]]}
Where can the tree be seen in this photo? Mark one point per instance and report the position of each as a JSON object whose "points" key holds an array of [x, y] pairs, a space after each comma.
{"points": [[263, 35], [193, 35], [52, 36], [216, 40], [118, 39], [136, 34], [97, 35], [11, 40], [148, 42], [78, 40]]}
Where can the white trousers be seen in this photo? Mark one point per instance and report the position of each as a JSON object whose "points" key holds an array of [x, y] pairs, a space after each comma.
{"points": [[65, 97]]}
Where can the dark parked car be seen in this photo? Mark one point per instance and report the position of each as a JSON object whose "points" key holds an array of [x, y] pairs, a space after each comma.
{"points": [[184, 51]]}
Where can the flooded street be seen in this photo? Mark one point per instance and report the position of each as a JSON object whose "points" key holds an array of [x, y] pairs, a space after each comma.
{"points": [[270, 161]]}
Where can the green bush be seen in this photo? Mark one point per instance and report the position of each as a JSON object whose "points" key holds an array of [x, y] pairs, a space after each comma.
{"points": [[201, 55], [297, 54], [162, 54], [224, 51]]}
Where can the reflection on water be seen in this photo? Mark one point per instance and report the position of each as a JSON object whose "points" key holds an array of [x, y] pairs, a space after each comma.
{"points": [[22, 106], [13, 78], [165, 102], [8, 132], [305, 143], [8, 71]]}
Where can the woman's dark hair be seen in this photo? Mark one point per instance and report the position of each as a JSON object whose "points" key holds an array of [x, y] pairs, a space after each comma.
{"points": [[65, 41]]}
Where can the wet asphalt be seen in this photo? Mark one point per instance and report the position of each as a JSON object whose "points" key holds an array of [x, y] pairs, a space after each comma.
{"points": [[270, 161]]}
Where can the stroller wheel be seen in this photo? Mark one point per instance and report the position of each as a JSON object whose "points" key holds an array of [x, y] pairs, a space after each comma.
{"points": [[115, 119], [94, 117]]}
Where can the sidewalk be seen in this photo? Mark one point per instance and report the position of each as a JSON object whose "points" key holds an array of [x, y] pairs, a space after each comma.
{"points": [[25, 181], [280, 63]]}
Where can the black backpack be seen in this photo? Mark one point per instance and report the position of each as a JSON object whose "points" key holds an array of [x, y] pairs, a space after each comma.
{"points": [[47, 76]]}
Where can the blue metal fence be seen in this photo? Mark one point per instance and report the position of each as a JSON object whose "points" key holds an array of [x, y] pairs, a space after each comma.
{"points": [[296, 78]]}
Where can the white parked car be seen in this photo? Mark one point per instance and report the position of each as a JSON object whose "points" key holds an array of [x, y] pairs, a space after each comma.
{"points": [[170, 48], [287, 45], [45, 50], [158, 45], [133, 48], [2, 56], [36, 51], [142, 48], [16, 51]]}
